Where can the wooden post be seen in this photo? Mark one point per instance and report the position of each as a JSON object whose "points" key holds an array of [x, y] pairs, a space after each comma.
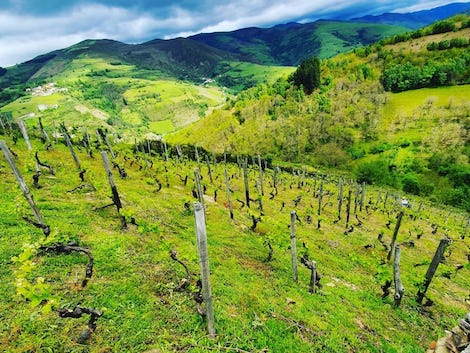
{"points": [[105, 138], [245, 179], [394, 237], [293, 246], [363, 196], [44, 134], [69, 144], [260, 176], [22, 127], [24, 188], [200, 192], [340, 198], [320, 197], [356, 199], [201, 238], [348, 208], [165, 151], [55, 133], [432, 269], [209, 169], [399, 289], [227, 187], [276, 172], [313, 276], [379, 197], [196, 155], [1, 122], [116, 199], [385, 201], [24, 132]]}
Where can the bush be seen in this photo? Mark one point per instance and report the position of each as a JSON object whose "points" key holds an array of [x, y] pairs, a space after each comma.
{"points": [[307, 75], [443, 27], [375, 172], [411, 184]]}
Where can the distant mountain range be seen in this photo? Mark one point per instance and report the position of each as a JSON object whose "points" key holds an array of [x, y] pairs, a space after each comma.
{"points": [[418, 19], [199, 56]]}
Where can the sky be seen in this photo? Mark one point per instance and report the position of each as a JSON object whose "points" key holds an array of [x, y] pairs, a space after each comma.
{"points": [[32, 27]]}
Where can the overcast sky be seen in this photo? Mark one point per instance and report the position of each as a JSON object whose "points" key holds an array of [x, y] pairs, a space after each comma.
{"points": [[32, 27]]}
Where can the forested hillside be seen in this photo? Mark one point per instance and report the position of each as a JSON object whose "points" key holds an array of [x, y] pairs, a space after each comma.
{"points": [[417, 142]]}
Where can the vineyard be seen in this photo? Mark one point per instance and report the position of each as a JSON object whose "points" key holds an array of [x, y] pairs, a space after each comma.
{"points": [[99, 252]]}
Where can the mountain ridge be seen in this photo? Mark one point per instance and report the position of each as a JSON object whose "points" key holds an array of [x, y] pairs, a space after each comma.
{"points": [[417, 19]]}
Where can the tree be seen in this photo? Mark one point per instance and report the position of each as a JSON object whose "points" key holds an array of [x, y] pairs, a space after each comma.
{"points": [[307, 75]]}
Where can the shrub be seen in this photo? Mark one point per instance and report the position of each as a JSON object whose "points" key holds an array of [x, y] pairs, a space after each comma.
{"points": [[411, 184]]}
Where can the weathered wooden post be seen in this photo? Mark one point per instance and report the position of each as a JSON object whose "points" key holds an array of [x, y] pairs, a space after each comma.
{"points": [[313, 276], [72, 151], [55, 133], [385, 201], [399, 289], [165, 149], [432, 269], [260, 176], [196, 155], [24, 132], [24, 188], [200, 192], [320, 197], [209, 171], [44, 134], [363, 196], [105, 140], [348, 208], [115, 197], [293, 246], [356, 199], [340, 198], [201, 238], [227, 187], [394, 236], [1, 122], [245, 179]]}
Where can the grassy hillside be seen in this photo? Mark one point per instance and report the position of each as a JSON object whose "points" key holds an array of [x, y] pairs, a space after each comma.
{"points": [[258, 306]]}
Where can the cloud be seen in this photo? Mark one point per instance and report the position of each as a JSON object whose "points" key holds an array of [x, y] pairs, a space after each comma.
{"points": [[30, 27]]}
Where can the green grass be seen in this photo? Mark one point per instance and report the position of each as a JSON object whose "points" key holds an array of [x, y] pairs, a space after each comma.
{"points": [[161, 127], [257, 305]]}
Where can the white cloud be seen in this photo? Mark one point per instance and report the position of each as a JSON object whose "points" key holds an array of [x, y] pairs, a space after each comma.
{"points": [[423, 5]]}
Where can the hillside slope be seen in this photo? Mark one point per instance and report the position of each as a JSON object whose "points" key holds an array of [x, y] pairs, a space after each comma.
{"points": [[348, 122], [144, 299]]}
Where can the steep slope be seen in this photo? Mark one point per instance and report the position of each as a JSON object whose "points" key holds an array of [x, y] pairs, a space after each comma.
{"points": [[144, 277]]}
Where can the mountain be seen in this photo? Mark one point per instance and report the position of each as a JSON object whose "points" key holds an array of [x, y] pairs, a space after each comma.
{"points": [[181, 58], [290, 43], [418, 19]]}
